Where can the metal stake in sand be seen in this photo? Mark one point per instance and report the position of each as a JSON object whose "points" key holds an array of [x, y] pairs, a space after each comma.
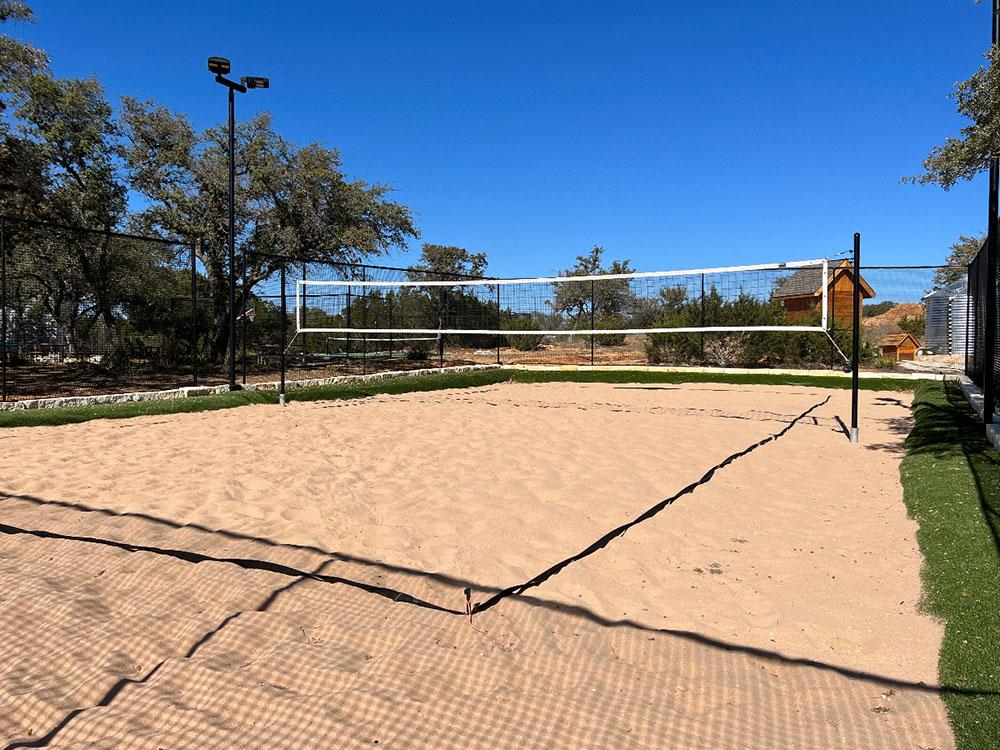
{"points": [[468, 611]]}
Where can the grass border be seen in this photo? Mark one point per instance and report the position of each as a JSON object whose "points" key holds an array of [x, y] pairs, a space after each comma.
{"points": [[951, 487]]}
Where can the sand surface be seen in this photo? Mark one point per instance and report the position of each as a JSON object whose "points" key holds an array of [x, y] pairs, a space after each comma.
{"points": [[158, 600]]}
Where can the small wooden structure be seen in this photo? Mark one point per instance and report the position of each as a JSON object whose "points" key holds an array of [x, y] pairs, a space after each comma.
{"points": [[899, 346], [802, 292]]}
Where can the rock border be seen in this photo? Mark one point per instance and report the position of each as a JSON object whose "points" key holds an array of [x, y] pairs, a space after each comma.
{"points": [[210, 390]]}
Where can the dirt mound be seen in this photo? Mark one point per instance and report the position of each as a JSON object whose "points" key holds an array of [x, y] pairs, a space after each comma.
{"points": [[893, 315]]}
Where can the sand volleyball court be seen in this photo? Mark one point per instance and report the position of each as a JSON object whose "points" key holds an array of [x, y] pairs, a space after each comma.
{"points": [[287, 578]]}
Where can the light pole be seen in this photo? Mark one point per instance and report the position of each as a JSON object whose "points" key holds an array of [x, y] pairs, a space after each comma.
{"points": [[221, 66]]}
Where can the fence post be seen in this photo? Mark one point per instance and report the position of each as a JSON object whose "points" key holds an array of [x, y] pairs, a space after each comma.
{"points": [[968, 313], [856, 338], [3, 308], [702, 323], [305, 310], [347, 347], [499, 320], [593, 305], [989, 348], [388, 301], [441, 323], [244, 298], [194, 310], [284, 336]]}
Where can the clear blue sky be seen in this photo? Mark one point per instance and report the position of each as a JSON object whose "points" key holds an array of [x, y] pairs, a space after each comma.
{"points": [[675, 134]]}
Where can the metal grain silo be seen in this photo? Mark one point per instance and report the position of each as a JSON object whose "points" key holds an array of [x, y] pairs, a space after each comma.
{"points": [[937, 306], [947, 311], [959, 323]]}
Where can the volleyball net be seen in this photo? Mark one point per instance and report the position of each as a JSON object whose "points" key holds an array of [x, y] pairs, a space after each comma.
{"points": [[777, 298]]}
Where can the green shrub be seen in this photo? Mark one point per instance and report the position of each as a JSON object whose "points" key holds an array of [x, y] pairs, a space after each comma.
{"points": [[419, 350], [610, 339]]}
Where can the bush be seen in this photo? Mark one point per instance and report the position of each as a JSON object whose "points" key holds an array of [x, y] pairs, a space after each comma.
{"points": [[523, 342], [526, 343], [419, 350], [610, 339]]}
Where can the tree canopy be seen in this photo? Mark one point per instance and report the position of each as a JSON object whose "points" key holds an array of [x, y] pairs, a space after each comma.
{"points": [[67, 157], [961, 158], [961, 254]]}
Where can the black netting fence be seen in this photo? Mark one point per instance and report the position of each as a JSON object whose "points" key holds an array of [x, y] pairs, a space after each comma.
{"points": [[983, 362], [91, 312], [914, 318]]}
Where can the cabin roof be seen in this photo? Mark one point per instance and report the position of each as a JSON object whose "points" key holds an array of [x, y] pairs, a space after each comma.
{"points": [[897, 339], [807, 282]]}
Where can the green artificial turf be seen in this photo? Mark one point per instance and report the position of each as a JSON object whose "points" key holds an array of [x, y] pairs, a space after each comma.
{"points": [[951, 483]]}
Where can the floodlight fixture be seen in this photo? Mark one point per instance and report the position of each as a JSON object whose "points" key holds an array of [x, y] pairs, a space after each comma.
{"points": [[255, 82], [219, 65]]}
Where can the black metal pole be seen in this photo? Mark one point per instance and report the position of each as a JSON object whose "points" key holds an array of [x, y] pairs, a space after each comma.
{"points": [[593, 305], [856, 338], [284, 336], [3, 309], [194, 310], [232, 240], [702, 318], [305, 309], [989, 350], [388, 302], [364, 323], [244, 299], [441, 321], [347, 348]]}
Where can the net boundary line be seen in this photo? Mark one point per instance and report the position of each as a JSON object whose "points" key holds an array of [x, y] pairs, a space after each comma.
{"points": [[609, 537], [566, 279]]}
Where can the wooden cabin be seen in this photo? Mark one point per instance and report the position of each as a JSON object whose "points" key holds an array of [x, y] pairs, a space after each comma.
{"points": [[802, 292], [899, 346]]}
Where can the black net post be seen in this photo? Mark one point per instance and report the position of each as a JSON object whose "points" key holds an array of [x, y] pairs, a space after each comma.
{"points": [[284, 336], [3, 310], [194, 311], [593, 305], [855, 337], [364, 323]]}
